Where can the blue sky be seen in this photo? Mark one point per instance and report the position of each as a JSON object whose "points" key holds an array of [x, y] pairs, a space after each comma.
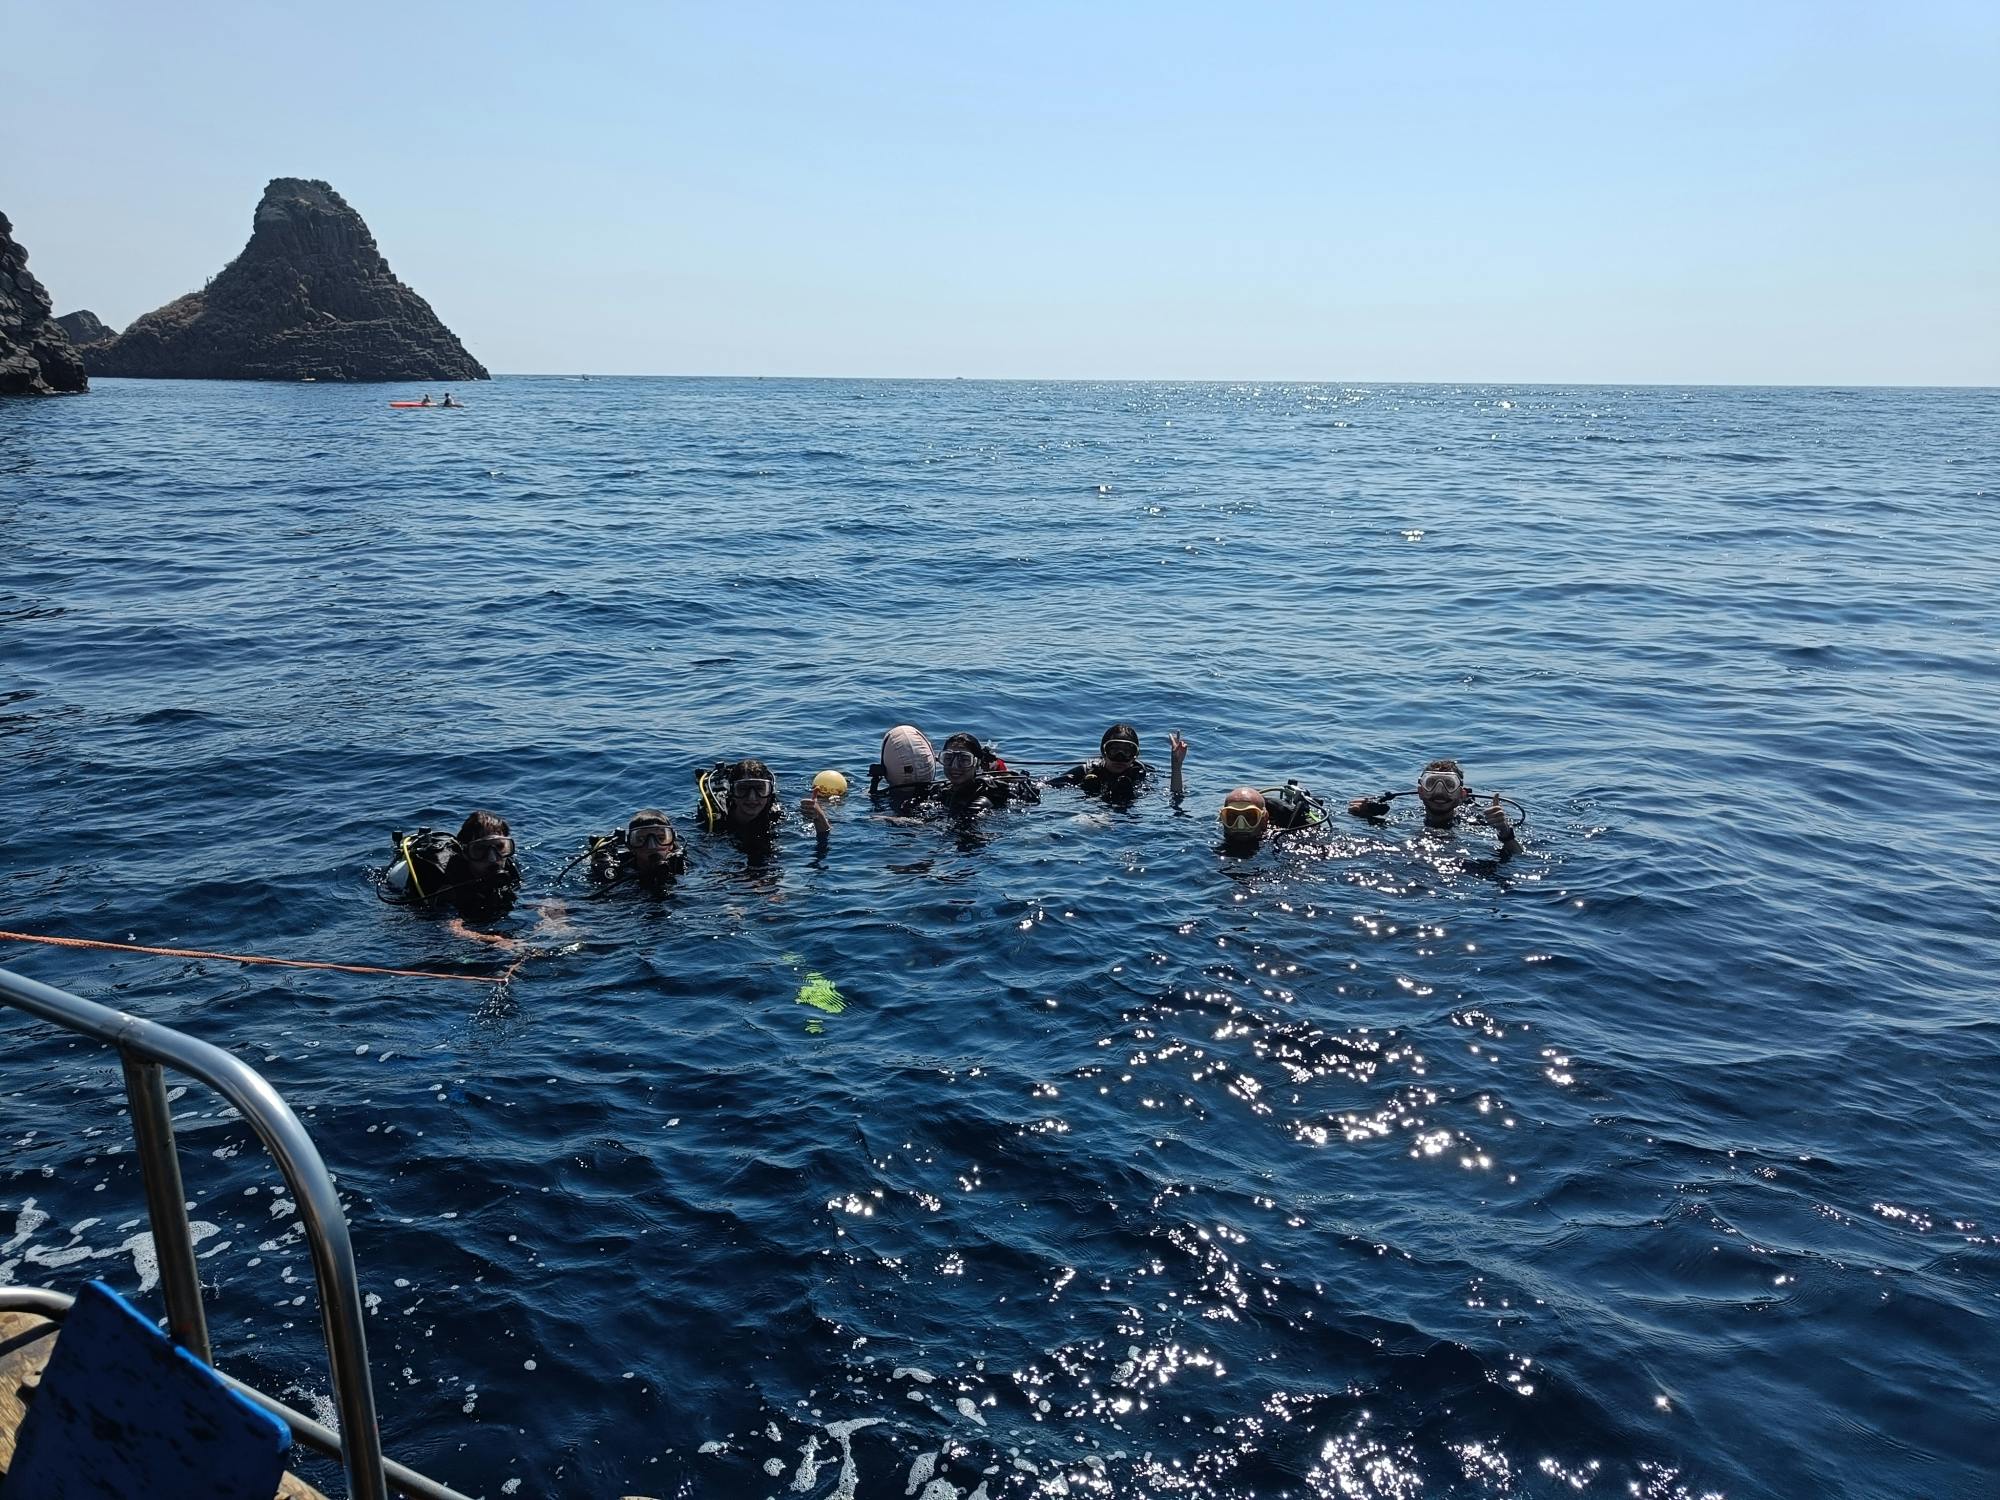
{"points": [[1732, 193]]}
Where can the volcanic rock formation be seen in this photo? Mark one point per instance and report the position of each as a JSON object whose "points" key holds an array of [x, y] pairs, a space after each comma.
{"points": [[35, 355], [310, 297], [85, 328]]}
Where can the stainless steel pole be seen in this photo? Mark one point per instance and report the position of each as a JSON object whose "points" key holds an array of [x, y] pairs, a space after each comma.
{"points": [[166, 1204]]}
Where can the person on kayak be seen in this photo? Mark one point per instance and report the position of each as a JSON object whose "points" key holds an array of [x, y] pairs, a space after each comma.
{"points": [[449, 402], [427, 399]]}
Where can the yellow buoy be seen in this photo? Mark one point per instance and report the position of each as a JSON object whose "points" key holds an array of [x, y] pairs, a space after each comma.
{"points": [[830, 784]]}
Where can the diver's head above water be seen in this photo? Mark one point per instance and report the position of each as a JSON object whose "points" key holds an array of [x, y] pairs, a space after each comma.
{"points": [[486, 844], [1441, 789], [961, 759], [752, 798], [1119, 748], [651, 844], [1245, 818]]}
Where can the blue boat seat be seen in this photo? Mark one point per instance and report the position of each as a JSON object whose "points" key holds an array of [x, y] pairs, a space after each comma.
{"points": [[122, 1411]]}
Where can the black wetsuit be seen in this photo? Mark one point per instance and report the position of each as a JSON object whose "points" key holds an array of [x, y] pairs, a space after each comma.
{"points": [[1510, 843], [612, 865], [1113, 781], [987, 789], [432, 872], [1460, 817]]}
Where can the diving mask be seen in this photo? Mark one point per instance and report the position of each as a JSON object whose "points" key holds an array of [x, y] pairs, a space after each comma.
{"points": [[1243, 817], [750, 786], [1120, 751], [1441, 786]]}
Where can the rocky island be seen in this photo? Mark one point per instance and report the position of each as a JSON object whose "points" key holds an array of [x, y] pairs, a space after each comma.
{"points": [[85, 328], [35, 355], [309, 298]]}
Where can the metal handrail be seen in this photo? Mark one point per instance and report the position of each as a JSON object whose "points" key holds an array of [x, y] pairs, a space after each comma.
{"points": [[144, 1047]]}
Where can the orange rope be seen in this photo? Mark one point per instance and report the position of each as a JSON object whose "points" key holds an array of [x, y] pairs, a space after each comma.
{"points": [[252, 958]]}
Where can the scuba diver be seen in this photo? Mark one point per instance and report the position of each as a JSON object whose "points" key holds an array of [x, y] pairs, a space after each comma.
{"points": [[977, 778], [1248, 814], [1117, 774], [904, 775], [1442, 790], [646, 853], [740, 798], [474, 872]]}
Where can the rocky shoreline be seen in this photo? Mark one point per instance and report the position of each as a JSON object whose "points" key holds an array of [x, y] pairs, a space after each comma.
{"points": [[36, 357]]}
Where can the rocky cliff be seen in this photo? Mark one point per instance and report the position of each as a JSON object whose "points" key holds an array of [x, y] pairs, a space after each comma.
{"points": [[35, 355], [309, 297], [85, 328]]}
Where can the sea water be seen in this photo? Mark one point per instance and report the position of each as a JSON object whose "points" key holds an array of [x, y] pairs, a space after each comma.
{"points": [[1657, 1160]]}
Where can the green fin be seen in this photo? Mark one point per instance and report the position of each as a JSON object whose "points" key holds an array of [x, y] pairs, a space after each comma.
{"points": [[818, 991]]}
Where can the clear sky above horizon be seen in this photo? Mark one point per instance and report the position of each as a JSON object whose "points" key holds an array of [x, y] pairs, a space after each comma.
{"points": [[1777, 193]]}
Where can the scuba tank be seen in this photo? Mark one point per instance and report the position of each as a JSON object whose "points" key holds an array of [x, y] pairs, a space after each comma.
{"points": [[422, 872], [1291, 807], [712, 790]]}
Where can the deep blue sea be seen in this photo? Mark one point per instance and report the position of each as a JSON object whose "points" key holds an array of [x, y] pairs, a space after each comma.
{"points": [[1660, 1160]]}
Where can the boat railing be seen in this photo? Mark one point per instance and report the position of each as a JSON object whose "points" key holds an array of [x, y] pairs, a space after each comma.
{"points": [[145, 1048]]}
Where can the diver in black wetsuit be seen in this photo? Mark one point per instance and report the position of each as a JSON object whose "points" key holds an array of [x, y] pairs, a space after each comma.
{"points": [[646, 853], [1442, 790], [473, 874], [976, 778], [740, 798], [1117, 775]]}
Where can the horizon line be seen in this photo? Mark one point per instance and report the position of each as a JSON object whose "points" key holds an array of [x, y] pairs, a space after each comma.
{"points": [[1739, 385]]}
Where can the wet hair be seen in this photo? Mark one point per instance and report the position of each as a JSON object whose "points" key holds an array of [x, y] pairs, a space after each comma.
{"points": [[483, 825], [970, 742], [1442, 765], [1119, 731]]}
